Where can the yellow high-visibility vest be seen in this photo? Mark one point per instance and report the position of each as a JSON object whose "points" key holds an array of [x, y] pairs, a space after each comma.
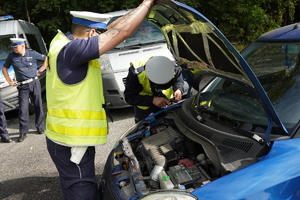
{"points": [[75, 113]]}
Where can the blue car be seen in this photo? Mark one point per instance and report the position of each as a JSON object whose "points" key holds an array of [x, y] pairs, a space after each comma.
{"points": [[237, 138]]}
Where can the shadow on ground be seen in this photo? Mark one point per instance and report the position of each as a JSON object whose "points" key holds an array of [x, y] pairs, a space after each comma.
{"points": [[31, 188]]}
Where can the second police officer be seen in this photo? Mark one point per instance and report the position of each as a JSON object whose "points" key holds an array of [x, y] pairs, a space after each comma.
{"points": [[24, 63], [150, 83]]}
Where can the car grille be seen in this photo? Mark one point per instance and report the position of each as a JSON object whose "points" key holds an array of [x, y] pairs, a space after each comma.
{"points": [[10, 103], [124, 81]]}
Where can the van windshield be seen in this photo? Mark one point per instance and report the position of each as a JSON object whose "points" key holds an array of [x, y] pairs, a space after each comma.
{"points": [[5, 46], [146, 33]]}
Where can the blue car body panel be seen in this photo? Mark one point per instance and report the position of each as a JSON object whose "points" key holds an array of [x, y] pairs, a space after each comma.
{"points": [[269, 178], [289, 32]]}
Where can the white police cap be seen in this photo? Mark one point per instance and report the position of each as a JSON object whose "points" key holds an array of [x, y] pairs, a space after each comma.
{"points": [[90, 19], [160, 69], [17, 41]]}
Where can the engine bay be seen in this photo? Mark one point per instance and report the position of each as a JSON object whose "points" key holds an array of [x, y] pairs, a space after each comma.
{"points": [[168, 154], [163, 158], [183, 160]]}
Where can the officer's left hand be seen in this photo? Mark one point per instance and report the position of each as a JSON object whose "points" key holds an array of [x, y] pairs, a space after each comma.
{"points": [[177, 96], [13, 83], [38, 72], [160, 102]]}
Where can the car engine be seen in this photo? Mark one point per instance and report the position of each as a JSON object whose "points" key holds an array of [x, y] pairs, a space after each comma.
{"points": [[163, 158], [168, 151]]}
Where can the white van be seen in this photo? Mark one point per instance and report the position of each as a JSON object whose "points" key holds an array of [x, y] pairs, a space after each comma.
{"points": [[148, 39], [12, 28]]}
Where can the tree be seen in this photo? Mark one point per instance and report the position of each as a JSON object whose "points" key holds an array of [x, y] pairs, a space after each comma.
{"points": [[239, 20], [244, 20], [50, 15]]}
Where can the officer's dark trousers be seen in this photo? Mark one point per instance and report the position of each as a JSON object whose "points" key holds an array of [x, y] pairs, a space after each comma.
{"points": [[3, 124], [34, 89], [78, 181]]}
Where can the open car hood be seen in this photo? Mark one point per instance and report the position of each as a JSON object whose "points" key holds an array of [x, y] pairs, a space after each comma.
{"points": [[200, 46]]}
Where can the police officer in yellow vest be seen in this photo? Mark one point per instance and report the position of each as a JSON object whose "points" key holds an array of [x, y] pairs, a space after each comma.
{"points": [[76, 119], [150, 83]]}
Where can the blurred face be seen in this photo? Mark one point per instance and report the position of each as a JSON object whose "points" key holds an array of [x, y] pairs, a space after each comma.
{"points": [[19, 49]]}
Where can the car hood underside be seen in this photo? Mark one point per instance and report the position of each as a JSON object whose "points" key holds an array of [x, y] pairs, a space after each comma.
{"points": [[201, 49]]}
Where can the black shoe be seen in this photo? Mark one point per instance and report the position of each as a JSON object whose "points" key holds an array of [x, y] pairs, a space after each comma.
{"points": [[22, 137], [40, 131], [6, 139]]}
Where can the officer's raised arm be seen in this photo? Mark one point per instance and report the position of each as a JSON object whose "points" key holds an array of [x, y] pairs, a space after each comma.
{"points": [[123, 27]]}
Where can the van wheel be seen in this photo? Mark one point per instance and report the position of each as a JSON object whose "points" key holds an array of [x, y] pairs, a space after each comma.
{"points": [[31, 107]]}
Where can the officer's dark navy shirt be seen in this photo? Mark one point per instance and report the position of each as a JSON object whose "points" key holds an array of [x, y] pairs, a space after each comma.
{"points": [[133, 88], [72, 61], [24, 66]]}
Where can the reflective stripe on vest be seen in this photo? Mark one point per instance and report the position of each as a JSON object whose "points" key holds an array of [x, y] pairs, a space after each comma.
{"points": [[72, 114]]}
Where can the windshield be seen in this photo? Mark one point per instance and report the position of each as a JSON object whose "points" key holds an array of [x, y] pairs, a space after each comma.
{"points": [[229, 103], [5, 46], [146, 33], [277, 67]]}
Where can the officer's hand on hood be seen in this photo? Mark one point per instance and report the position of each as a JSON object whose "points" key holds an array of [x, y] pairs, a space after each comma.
{"points": [[160, 102], [177, 95]]}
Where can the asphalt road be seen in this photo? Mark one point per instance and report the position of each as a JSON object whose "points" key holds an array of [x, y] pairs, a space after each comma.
{"points": [[26, 169]]}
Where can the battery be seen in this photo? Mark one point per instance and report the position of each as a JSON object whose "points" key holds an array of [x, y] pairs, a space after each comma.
{"points": [[181, 175]]}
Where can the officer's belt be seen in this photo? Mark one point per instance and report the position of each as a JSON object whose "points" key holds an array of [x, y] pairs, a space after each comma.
{"points": [[27, 81]]}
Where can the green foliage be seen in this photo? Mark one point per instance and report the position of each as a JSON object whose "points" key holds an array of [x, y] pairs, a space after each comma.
{"points": [[239, 20], [244, 20]]}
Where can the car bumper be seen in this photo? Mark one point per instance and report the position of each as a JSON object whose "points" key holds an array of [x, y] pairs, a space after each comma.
{"points": [[114, 86], [9, 96]]}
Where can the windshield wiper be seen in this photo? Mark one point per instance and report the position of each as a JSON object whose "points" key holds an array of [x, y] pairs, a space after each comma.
{"points": [[139, 45], [136, 46], [159, 41], [234, 125]]}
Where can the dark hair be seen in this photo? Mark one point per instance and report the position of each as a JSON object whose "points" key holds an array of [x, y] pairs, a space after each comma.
{"points": [[79, 29]]}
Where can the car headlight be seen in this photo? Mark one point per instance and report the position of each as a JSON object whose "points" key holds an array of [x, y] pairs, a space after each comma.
{"points": [[105, 65], [169, 195]]}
